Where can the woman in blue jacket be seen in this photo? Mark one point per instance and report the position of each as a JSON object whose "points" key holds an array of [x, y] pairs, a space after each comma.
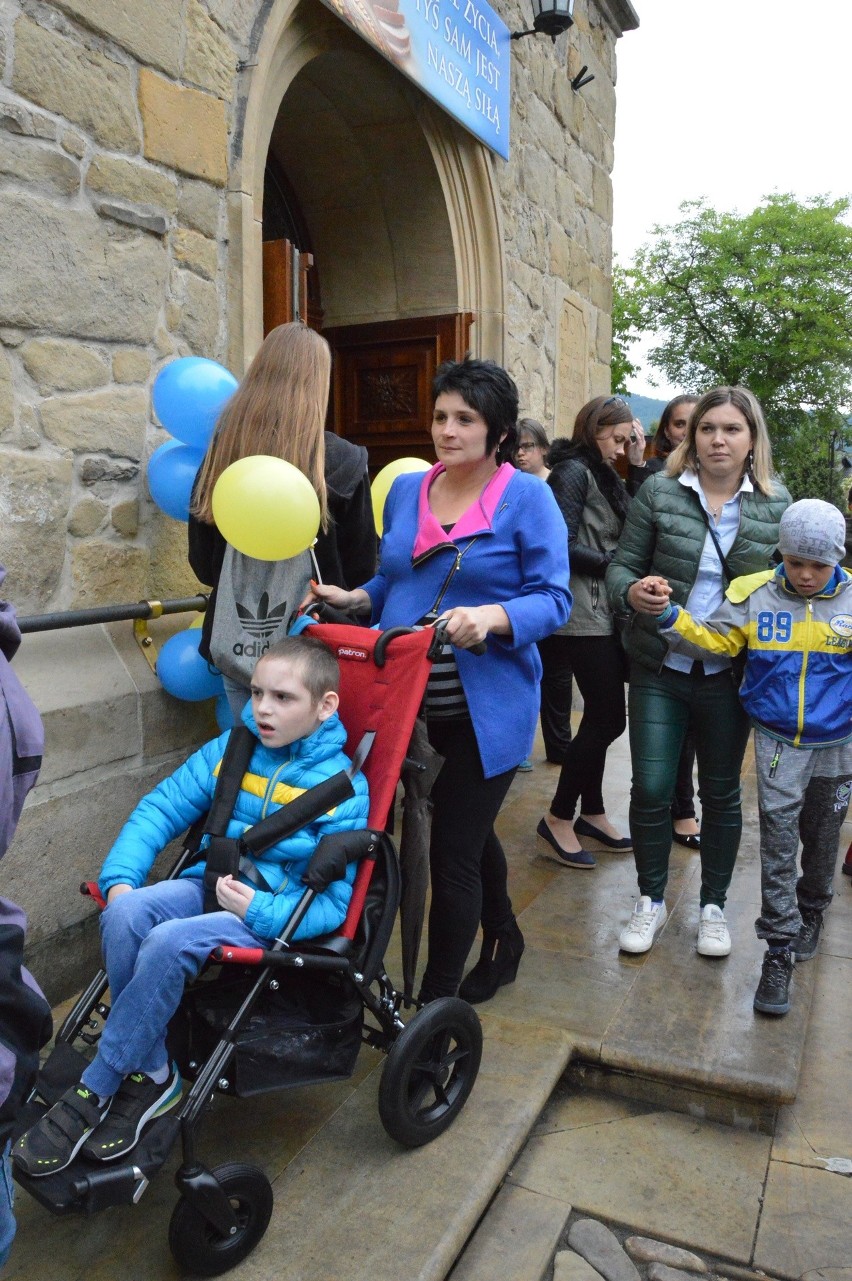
{"points": [[481, 546]]}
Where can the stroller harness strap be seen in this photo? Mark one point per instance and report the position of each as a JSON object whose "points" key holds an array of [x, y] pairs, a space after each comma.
{"points": [[229, 855]]}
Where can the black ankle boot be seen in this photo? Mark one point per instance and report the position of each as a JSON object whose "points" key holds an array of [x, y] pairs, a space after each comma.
{"points": [[497, 965]]}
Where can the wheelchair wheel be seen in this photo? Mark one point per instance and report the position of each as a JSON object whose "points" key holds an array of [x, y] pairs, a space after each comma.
{"points": [[430, 1071], [198, 1247]]}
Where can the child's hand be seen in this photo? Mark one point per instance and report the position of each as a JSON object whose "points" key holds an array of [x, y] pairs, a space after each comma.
{"points": [[233, 896]]}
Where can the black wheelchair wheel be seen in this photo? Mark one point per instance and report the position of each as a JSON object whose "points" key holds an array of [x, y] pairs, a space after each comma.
{"points": [[198, 1247], [430, 1071]]}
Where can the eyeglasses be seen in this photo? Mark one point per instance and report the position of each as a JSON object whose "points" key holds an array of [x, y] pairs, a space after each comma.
{"points": [[526, 446], [615, 400]]}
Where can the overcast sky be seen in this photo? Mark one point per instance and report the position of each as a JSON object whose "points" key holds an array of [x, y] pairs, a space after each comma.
{"points": [[729, 99]]}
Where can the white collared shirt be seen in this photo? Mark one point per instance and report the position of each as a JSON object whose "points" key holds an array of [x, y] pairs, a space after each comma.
{"points": [[709, 587]]}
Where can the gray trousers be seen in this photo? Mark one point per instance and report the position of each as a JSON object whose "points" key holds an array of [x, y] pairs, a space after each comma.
{"points": [[802, 793]]}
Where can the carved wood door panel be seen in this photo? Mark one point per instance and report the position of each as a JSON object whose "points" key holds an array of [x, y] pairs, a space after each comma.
{"points": [[382, 378]]}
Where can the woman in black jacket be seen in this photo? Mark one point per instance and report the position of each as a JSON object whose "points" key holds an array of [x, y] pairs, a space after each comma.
{"points": [[594, 502], [279, 409]]}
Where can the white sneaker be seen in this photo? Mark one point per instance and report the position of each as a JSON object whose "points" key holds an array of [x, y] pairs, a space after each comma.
{"points": [[713, 936], [647, 919]]}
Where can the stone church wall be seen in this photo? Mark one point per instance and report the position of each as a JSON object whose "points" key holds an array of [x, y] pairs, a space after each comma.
{"points": [[120, 139], [118, 125]]}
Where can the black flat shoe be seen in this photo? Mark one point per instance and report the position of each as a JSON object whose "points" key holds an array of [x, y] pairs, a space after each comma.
{"points": [[582, 828], [579, 858], [690, 840]]}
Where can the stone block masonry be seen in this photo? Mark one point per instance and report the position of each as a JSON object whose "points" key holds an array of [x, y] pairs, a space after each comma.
{"points": [[556, 193], [131, 158], [115, 123], [119, 131]]}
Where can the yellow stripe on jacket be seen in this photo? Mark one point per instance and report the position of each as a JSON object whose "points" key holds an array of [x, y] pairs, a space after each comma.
{"points": [[256, 784]]}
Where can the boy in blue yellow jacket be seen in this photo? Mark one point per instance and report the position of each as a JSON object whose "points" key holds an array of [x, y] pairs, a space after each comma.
{"points": [[796, 624], [156, 937]]}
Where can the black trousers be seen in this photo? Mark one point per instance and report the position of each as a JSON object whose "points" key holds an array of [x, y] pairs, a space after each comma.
{"points": [[597, 666], [557, 688], [466, 860]]}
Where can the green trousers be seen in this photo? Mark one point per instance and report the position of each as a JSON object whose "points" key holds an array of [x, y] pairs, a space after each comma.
{"points": [[662, 706]]}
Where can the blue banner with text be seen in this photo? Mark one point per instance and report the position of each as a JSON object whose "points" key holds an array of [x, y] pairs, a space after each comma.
{"points": [[457, 51]]}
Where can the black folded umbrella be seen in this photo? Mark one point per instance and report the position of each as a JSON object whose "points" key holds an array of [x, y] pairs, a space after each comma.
{"points": [[421, 767]]}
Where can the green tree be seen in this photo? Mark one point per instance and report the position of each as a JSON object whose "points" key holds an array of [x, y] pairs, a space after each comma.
{"points": [[625, 330], [764, 300]]}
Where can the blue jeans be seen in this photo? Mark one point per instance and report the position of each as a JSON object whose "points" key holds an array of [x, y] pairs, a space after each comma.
{"points": [[154, 940], [7, 1205]]}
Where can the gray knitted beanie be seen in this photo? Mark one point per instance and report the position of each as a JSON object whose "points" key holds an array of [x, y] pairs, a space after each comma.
{"points": [[813, 530]]}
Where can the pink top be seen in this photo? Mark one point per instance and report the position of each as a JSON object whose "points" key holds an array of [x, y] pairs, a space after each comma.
{"points": [[479, 516]]}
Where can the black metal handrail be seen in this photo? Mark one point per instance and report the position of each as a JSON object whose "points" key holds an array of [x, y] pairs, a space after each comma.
{"points": [[112, 613]]}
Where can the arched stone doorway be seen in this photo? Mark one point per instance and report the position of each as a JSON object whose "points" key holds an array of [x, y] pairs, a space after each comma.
{"points": [[397, 204]]}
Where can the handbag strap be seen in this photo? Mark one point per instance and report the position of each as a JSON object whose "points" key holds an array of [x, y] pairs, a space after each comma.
{"points": [[726, 569]]}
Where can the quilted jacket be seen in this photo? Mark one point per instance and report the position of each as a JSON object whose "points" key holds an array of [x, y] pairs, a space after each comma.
{"points": [[275, 776], [664, 534]]}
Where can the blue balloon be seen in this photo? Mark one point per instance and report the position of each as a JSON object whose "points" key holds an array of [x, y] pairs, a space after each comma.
{"points": [[189, 395], [183, 672], [224, 715], [172, 469]]}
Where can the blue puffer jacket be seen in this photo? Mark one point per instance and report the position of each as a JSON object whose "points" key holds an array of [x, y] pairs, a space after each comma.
{"points": [[275, 776]]}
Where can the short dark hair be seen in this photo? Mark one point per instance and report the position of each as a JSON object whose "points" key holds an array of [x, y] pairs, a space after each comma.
{"points": [[603, 411], [487, 388], [316, 665]]}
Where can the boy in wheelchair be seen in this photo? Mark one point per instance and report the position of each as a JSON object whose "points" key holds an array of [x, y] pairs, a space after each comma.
{"points": [[157, 937]]}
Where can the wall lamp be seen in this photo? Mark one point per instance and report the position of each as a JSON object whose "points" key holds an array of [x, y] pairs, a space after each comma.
{"points": [[551, 18]]}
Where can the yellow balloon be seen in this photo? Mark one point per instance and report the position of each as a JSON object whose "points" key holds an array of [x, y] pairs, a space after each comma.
{"points": [[196, 622], [266, 508], [380, 487]]}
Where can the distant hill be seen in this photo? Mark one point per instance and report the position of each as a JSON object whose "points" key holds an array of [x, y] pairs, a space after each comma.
{"points": [[646, 409]]}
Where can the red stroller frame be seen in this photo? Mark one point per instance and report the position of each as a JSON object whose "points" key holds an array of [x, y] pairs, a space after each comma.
{"points": [[432, 1060]]}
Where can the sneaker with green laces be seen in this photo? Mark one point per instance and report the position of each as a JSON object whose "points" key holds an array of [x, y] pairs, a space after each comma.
{"points": [[53, 1142], [137, 1101]]}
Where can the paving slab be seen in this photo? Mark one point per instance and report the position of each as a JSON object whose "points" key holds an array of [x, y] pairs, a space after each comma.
{"points": [[814, 1127], [659, 1173], [805, 1225], [131, 1242], [362, 1208]]}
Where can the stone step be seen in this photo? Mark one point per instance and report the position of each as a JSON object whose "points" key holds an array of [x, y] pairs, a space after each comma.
{"points": [[516, 1238]]}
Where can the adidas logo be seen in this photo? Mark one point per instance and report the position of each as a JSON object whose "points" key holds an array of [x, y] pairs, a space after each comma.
{"points": [[265, 622]]}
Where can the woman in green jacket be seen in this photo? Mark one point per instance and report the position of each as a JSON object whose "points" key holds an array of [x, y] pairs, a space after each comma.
{"points": [[718, 482]]}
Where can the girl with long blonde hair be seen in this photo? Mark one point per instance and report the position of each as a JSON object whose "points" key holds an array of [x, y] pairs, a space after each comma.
{"points": [[279, 409]]}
